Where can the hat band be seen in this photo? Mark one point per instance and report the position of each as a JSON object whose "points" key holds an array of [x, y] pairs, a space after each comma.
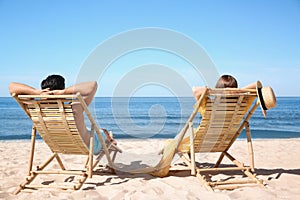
{"points": [[262, 102]]}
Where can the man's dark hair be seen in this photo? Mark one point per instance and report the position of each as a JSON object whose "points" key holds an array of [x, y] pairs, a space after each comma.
{"points": [[53, 82]]}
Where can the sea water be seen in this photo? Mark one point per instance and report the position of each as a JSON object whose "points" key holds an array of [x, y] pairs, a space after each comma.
{"points": [[156, 117]]}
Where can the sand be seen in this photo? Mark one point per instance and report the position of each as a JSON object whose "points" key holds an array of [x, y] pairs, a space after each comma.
{"points": [[277, 163]]}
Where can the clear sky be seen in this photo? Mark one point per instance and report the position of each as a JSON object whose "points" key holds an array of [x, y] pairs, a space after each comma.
{"points": [[252, 40]]}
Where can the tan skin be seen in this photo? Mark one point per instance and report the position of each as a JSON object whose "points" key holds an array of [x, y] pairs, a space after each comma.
{"points": [[198, 91], [86, 89]]}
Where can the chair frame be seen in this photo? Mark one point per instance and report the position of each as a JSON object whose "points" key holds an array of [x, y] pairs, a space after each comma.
{"points": [[82, 149], [190, 159]]}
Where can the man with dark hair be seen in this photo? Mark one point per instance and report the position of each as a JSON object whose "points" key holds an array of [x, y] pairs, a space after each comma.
{"points": [[55, 84]]}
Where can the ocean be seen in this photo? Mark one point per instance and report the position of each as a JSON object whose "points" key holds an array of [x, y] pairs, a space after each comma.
{"points": [[156, 117]]}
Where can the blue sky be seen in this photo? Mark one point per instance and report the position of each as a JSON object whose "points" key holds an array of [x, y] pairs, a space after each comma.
{"points": [[252, 40]]}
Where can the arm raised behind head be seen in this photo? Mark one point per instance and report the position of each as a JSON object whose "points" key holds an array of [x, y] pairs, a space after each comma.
{"points": [[20, 88], [86, 89], [250, 86]]}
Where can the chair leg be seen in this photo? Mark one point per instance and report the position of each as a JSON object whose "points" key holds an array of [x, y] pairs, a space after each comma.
{"points": [[104, 148], [235, 161], [33, 137], [192, 150], [205, 183], [32, 174], [27, 181], [40, 170], [91, 152], [186, 160], [250, 146], [80, 182], [60, 162], [86, 162], [219, 160], [41, 167], [246, 171]]}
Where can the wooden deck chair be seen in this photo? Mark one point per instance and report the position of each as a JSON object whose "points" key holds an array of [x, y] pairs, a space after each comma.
{"points": [[52, 116], [225, 113]]}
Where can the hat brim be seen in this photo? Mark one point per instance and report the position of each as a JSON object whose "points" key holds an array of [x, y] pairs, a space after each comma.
{"points": [[260, 97]]}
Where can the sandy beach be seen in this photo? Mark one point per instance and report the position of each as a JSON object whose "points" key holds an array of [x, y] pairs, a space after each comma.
{"points": [[277, 163]]}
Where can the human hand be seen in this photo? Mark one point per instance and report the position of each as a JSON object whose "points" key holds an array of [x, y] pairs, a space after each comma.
{"points": [[44, 91], [58, 92], [47, 91]]}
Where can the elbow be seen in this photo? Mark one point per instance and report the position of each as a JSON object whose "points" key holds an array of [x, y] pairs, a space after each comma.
{"points": [[12, 88], [194, 89], [94, 86]]}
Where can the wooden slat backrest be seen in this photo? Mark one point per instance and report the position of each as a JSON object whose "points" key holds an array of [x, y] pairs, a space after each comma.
{"points": [[53, 117], [223, 114]]}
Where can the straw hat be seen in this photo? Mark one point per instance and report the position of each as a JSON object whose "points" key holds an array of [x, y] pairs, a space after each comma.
{"points": [[266, 97]]}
